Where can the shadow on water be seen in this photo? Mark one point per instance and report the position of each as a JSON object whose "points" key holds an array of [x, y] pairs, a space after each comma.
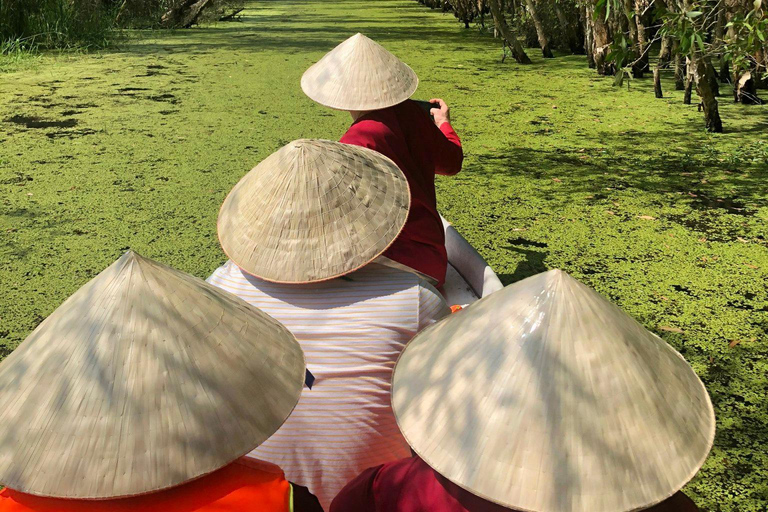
{"points": [[699, 190], [36, 122], [295, 30], [534, 263]]}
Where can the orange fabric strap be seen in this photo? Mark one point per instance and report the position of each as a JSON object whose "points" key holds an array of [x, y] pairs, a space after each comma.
{"points": [[246, 484]]}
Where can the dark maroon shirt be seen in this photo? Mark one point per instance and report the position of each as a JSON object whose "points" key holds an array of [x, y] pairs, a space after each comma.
{"points": [[410, 485], [406, 134]]}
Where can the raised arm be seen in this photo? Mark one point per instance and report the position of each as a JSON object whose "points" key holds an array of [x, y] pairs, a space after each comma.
{"points": [[448, 154]]}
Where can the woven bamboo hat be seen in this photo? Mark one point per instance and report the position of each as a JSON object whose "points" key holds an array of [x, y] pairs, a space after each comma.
{"points": [[359, 74], [312, 211], [145, 378], [546, 397]]}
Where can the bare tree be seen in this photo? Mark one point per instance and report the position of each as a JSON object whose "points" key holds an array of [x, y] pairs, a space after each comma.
{"points": [[540, 31], [508, 37]]}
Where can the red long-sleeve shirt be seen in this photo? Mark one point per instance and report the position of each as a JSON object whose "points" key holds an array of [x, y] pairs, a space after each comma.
{"points": [[410, 485], [406, 134]]}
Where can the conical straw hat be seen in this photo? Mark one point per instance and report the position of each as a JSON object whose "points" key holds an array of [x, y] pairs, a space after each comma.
{"points": [[359, 74], [313, 210], [546, 397], [145, 378]]}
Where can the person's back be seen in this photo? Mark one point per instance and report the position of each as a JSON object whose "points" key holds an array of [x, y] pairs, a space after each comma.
{"points": [[541, 396], [246, 484], [138, 393], [374, 86], [406, 134], [410, 485], [407, 485], [352, 330]]}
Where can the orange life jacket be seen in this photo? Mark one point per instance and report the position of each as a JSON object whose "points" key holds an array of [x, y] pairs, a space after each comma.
{"points": [[246, 484]]}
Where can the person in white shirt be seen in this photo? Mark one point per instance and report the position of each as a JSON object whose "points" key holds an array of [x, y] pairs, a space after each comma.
{"points": [[304, 231]]}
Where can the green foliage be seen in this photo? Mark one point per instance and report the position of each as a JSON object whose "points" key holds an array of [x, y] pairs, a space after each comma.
{"points": [[603, 8], [13, 52], [56, 23], [687, 27], [27, 25], [622, 51], [17, 48], [747, 38], [622, 190]]}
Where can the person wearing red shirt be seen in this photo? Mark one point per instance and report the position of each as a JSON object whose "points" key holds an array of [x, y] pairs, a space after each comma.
{"points": [[374, 86], [421, 148], [542, 396], [410, 485]]}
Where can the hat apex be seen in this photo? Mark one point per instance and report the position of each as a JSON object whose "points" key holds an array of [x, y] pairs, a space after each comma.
{"points": [[359, 75]]}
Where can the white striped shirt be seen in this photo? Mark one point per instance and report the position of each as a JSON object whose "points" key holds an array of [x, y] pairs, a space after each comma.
{"points": [[352, 330]]}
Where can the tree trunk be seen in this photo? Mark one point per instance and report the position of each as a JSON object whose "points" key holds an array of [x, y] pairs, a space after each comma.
{"points": [[761, 57], [665, 53], [708, 100], [725, 71], [570, 31], [601, 42], [720, 22], [540, 32], [580, 27], [184, 15], [509, 39], [663, 60], [642, 40], [679, 73], [688, 82], [719, 35], [629, 25], [711, 76], [589, 42], [745, 89], [733, 8]]}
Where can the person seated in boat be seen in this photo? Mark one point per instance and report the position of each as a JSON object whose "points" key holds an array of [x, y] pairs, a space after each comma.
{"points": [[302, 231], [410, 485], [142, 392], [542, 396], [362, 77]]}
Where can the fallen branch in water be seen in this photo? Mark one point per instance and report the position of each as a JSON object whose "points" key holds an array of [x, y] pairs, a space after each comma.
{"points": [[184, 15], [232, 15]]}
